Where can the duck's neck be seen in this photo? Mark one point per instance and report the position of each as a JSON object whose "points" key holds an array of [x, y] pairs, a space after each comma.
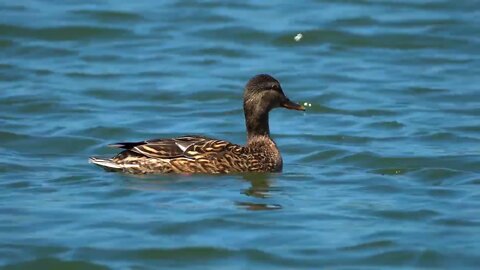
{"points": [[257, 125]]}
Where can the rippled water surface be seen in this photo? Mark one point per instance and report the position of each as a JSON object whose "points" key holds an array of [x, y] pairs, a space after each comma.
{"points": [[382, 171]]}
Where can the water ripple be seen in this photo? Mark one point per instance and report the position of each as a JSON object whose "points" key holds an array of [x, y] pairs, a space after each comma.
{"points": [[64, 33]]}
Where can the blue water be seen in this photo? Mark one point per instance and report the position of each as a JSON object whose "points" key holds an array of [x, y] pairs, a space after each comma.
{"points": [[381, 172]]}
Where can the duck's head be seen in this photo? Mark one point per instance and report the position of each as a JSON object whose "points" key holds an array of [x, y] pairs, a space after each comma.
{"points": [[262, 94]]}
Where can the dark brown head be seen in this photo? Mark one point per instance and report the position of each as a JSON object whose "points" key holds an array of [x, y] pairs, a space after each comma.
{"points": [[262, 94]]}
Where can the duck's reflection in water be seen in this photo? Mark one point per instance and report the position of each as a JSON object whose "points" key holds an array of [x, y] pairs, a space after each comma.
{"points": [[260, 188], [258, 206], [258, 192]]}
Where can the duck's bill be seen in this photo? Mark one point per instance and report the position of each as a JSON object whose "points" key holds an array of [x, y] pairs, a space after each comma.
{"points": [[292, 105]]}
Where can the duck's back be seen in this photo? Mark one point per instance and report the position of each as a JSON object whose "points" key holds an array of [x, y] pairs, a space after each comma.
{"points": [[191, 154]]}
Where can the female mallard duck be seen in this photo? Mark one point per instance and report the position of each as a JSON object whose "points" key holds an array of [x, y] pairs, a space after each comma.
{"points": [[198, 154]]}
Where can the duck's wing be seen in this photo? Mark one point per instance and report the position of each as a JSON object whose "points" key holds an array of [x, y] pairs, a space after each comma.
{"points": [[186, 146]]}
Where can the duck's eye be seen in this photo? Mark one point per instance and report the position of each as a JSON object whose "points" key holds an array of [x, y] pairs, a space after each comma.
{"points": [[275, 87]]}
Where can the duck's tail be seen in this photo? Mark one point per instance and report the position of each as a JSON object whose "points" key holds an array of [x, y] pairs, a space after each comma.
{"points": [[106, 163]]}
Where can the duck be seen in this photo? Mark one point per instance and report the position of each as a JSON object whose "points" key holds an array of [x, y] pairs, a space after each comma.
{"points": [[194, 154]]}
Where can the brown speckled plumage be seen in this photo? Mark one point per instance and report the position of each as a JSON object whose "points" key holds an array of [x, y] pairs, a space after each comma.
{"points": [[198, 154]]}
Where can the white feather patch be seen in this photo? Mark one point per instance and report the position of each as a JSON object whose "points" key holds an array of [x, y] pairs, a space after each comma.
{"points": [[183, 147]]}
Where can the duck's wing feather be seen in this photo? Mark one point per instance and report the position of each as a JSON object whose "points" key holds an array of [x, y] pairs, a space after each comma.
{"points": [[186, 146]]}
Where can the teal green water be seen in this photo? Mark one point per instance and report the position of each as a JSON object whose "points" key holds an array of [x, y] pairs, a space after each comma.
{"points": [[382, 172]]}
